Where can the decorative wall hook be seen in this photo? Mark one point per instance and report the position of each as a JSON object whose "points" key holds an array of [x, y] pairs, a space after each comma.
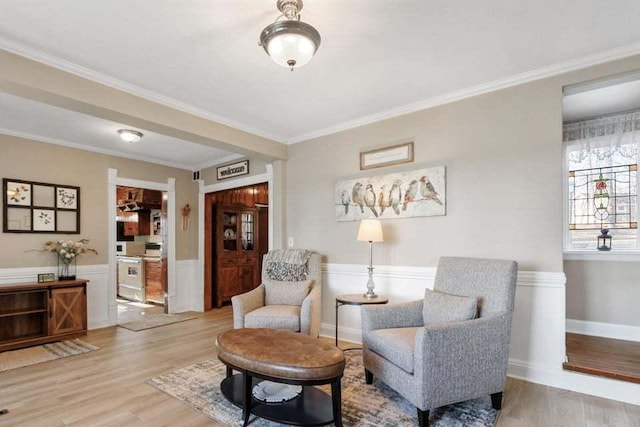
{"points": [[186, 211]]}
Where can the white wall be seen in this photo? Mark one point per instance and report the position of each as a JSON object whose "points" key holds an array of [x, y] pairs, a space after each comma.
{"points": [[503, 172], [602, 298], [603, 291]]}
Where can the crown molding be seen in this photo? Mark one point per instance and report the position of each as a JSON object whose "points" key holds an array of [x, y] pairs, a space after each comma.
{"points": [[78, 70], [529, 76], [39, 138], [518, 79]]}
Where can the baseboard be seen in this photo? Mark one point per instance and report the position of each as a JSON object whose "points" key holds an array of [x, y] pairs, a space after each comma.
{"points": [[606, 330], [574, 381], [353, 335]]}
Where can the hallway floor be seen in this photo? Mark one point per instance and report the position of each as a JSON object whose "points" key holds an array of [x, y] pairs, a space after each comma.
{"points": [[128, 311], [605, 357]]}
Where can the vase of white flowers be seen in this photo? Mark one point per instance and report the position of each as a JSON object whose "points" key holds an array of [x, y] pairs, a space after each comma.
{"points": [[66, 269], [68, 251]]}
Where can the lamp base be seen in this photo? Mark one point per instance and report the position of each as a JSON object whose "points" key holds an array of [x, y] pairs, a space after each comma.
{"points": [[370, 294], [370, 284]]}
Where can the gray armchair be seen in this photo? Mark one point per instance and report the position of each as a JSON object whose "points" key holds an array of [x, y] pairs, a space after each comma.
{"points": [[433, 364], [289, 296]]}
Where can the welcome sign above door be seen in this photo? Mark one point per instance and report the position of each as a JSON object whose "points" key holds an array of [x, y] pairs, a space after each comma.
{"points": [[234, 169], [420, 192]]}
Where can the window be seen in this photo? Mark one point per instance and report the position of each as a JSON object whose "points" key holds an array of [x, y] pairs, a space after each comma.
{"points": [[601, 160]]}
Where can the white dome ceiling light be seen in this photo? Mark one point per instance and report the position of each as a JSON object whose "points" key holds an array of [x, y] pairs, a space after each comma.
{"points": [[129, 135], [290, 43]]}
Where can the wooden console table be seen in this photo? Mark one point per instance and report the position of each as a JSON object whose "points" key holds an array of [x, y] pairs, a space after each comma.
{"points": [[38, 313]]}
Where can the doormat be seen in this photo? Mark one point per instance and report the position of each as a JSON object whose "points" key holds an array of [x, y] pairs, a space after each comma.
{"points": [[362, 405], [155, 320], [43, 353]]}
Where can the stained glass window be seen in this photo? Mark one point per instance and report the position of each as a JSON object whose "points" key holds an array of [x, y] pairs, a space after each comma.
{"points": [[601, 158]]}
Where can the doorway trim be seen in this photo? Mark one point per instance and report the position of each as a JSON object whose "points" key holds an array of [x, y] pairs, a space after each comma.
{"points": [[169, 187], [221, 186]]}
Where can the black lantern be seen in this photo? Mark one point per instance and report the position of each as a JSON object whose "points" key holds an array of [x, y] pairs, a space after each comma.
{"points": [[604, 240]]}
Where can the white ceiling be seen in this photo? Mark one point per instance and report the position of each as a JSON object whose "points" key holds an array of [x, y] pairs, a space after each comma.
{"points": [[378, 58], [26, 118]]}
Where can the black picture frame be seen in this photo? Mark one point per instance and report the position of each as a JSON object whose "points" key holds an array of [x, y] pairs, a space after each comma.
{"points": [[40, 207]]}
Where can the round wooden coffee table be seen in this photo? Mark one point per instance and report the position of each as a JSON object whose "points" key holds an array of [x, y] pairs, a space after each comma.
{"points": [[283, 357]]}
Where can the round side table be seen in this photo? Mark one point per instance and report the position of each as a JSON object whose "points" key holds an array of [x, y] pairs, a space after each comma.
{"points": [[355, 299]]}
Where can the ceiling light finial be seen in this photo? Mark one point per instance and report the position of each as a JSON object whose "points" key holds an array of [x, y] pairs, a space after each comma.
{"points": [[129, 135], [290, 43]]}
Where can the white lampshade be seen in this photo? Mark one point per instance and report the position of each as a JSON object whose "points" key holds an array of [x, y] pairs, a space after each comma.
{"points": [[370, 231]]}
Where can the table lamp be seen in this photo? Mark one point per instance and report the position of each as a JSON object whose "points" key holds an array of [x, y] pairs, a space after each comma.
{"points": [[370, 231]]}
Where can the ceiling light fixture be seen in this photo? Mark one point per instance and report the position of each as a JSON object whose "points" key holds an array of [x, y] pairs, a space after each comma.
{"points": [[129, 135], [290, 43]]}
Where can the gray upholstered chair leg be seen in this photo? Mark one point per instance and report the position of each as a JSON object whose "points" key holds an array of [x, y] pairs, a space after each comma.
{"points": [[496, 401], [423, 418], [368, 376]]}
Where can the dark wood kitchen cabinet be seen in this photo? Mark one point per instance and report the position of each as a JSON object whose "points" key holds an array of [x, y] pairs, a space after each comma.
{"points": [[39, 313], [151, 199], [137, 223], [153, 281], [237, 258]]}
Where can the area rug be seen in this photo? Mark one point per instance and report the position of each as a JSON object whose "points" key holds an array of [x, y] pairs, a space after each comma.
{"points": [[362, 405], [43, 353], [154, 321]]}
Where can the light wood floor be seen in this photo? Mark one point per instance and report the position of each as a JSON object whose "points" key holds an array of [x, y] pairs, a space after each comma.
{"points": [[108, 387]]}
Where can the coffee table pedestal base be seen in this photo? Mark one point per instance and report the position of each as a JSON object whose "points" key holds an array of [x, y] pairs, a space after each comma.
{"points": [[313, 407]]}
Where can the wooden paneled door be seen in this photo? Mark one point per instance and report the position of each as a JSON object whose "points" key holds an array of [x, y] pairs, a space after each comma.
{"points": [[68, 311], [253, 196]]}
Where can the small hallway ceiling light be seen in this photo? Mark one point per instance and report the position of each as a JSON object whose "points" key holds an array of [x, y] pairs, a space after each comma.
{"points": [[290, 42], [129, 135]]}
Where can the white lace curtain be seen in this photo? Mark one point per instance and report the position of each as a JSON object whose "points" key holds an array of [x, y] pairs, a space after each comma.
{"points": [[602, 142]]}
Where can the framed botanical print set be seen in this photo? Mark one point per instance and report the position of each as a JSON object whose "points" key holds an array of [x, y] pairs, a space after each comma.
{"points": [[37, 207]]}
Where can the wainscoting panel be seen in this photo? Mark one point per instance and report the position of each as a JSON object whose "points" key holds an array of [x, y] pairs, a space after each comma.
{"points": [[189, 294]]}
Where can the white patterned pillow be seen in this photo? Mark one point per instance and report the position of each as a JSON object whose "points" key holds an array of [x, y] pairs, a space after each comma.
{"points": [[278, 292], [440, 307], [285, 271]]}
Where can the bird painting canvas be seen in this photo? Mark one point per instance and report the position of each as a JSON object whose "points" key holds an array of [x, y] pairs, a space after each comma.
{"points": [[415, 193]]}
